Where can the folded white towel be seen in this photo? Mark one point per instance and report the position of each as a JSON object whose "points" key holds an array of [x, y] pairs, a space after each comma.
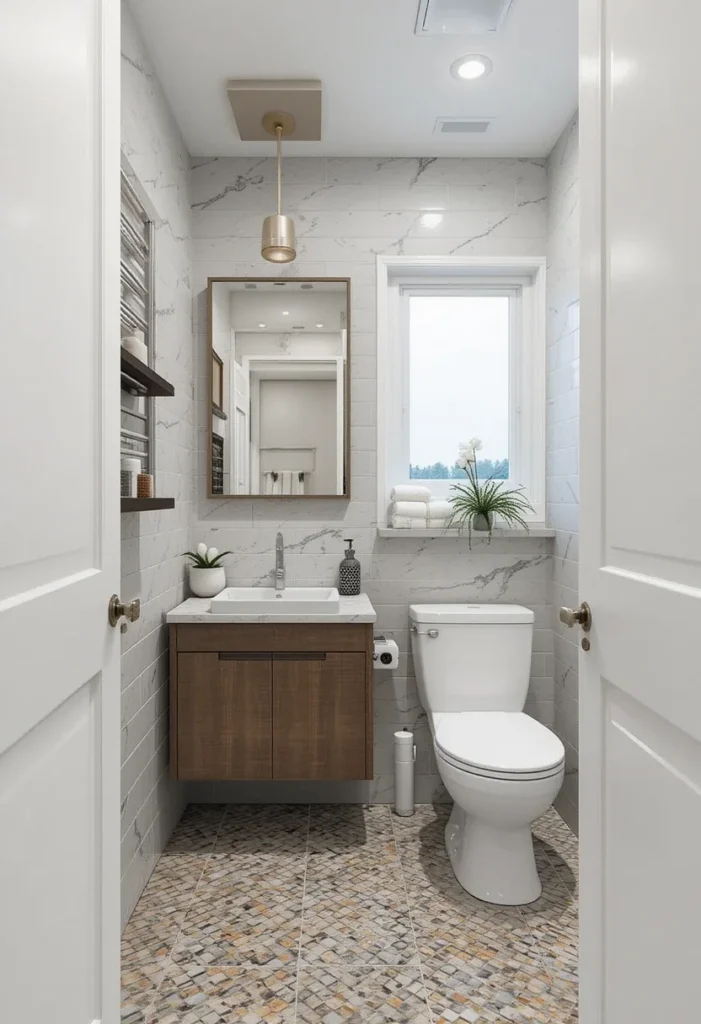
{"points": [[410, 492], [439, 510], [411, 509], [405, 523]]}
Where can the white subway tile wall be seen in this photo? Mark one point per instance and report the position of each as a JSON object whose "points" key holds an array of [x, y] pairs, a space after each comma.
{"points": [[152, 567], [563, 440], [347, 211]]}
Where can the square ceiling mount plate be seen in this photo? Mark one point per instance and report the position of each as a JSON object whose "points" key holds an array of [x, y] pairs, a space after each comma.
{"points": [[460, 17], [252, 98]]}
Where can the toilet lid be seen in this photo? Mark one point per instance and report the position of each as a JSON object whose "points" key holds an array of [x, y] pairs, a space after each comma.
{"points": [[499, 741]]}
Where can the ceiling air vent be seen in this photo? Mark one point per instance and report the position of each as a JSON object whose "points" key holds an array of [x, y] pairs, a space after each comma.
{"points": [[461, 126], [250, 284], [460, 17]]}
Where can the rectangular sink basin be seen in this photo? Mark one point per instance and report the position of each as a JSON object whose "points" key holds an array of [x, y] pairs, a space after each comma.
{"points": [[270, 602]]}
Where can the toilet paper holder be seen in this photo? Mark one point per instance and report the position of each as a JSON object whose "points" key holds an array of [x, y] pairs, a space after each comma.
{"points": [[385, 653]]}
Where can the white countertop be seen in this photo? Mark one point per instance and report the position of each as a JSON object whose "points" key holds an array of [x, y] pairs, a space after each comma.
{"points": [[352, 609]]}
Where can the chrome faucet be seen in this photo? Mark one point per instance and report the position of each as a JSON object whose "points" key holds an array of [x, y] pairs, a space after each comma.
{"points": [[279, 563]]}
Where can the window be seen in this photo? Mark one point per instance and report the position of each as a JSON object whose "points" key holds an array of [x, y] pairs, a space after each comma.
{"points": [[461, 352]]}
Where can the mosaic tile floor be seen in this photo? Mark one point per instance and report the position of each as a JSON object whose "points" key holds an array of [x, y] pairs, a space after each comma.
{"points": [[343, 914]]}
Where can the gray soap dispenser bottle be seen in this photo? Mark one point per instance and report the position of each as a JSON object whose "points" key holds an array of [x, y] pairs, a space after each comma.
{"points": [[349, 573]]}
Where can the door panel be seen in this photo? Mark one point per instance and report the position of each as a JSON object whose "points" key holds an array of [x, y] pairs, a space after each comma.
{"points": [[319, 716], [640, 552], [224, 716], [59, 517]]}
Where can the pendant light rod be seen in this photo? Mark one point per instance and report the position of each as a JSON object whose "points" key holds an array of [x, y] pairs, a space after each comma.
{"points": [[278, 132]]}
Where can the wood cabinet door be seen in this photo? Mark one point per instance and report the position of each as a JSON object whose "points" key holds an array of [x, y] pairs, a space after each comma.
{"points": [[225, 728], [319, 706]]}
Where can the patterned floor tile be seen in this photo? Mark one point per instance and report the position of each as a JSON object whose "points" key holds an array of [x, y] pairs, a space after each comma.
{"points": [[223, 871], [476, 992], [196, 830], [263, 834], [225, 995], [360, 901], [446, 927], [426, 825], [343, 927], [361, 996], [139, 987], [242, 926], [148, 941], [346, 828]]}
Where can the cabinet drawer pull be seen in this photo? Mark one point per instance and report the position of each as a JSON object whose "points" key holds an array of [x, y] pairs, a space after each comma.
{"points": [[245, 656], [299, 656]]}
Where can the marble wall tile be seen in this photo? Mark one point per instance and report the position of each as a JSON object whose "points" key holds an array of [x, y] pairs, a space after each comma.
{"points": [[563, 437], [347, 211], [152, 567]]}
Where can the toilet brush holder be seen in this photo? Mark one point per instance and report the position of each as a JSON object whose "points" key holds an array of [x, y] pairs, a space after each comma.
{"points": [[404, 759]]}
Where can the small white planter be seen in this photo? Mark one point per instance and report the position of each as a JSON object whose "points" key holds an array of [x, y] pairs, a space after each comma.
{"points": [[207, 582]]}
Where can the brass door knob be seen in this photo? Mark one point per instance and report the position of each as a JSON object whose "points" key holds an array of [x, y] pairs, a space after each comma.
{"points": [[131, 610], [577, 616]]}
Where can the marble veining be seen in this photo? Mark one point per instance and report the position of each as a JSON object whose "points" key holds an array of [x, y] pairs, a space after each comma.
{"points": [[347, 211]]}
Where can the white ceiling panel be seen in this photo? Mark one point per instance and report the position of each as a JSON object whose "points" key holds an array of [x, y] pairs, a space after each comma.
{"points": [[384, 87]]}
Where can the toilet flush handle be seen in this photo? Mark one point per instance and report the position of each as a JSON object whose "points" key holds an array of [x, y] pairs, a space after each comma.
{"points": [[433, 633]]}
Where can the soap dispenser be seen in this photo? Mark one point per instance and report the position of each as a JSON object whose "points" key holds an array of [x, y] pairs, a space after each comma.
{"points": [[349, 573]]}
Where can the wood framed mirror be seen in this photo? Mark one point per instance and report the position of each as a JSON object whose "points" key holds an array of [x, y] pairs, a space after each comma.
{"points": [[279, 357]]}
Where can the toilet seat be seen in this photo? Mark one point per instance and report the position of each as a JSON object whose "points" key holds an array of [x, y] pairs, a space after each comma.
{"points": [[498, 744]]}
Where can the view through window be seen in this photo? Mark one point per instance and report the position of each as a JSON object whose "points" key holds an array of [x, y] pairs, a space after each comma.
{"points": [[459, 383]]}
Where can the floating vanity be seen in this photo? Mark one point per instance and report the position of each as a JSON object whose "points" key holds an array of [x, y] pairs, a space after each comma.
{"points": [[273, 691]]}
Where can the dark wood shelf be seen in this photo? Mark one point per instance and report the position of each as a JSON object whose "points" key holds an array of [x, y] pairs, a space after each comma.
{"points": [[137, 376], [146, 504]]}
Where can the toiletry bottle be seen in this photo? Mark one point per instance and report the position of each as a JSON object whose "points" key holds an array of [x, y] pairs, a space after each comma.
{"points": [[349, 573]]}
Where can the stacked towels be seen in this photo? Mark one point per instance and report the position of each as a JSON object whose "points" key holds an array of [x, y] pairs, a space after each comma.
{"points": [[413, 508]]}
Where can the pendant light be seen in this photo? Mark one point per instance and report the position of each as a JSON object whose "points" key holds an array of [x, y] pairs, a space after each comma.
{"points": [[278, 244]]}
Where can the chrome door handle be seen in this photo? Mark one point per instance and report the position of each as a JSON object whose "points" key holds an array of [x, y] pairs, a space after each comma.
{"points": [[131, 610], [577, 616]]}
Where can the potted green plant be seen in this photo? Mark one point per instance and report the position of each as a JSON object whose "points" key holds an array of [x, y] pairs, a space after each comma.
{"points": [[477, 503], [207, 575]]}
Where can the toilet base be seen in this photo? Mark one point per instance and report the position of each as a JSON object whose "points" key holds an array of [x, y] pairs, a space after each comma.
{"points": [[496, 865]]}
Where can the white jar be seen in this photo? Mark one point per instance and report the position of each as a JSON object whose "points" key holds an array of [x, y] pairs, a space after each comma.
{"points": [[207, 582]]}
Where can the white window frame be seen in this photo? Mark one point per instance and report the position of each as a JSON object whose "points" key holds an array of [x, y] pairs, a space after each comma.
{"points": [[523, 279]]}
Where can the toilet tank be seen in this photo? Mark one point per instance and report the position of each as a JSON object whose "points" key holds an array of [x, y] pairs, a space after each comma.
{"points": [[472, 657]]}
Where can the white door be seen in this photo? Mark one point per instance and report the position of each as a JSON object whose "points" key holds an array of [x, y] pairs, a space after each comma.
{"points": [[59, 511], [640, 688]]}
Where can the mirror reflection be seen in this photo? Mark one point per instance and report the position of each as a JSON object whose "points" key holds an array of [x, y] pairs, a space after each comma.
{"points": [[280, 387]]}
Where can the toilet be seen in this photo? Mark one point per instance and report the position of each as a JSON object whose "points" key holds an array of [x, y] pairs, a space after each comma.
{"points": [[502, 768]]}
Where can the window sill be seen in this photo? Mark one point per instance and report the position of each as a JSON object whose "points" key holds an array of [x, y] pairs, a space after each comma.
{"points": [[498, 533]]}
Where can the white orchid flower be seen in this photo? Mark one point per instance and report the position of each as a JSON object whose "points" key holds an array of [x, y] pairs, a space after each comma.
{"points": [[212, 554], [475, 443], [202, 549]]}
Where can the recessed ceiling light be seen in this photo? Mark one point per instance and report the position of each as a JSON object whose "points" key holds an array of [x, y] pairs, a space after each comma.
{"points": [[262, 325], [319, 325], [285, 312], [474, 65], [431, 220]]}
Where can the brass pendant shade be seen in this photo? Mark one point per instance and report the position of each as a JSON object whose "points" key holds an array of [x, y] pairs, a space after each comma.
{"points": [[278, 243]]}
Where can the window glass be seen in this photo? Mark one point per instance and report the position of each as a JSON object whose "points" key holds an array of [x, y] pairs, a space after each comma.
{"points": [[459, 383]]}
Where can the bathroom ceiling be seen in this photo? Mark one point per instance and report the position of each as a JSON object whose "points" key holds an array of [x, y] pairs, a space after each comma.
{"points": [[383, 87]]}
